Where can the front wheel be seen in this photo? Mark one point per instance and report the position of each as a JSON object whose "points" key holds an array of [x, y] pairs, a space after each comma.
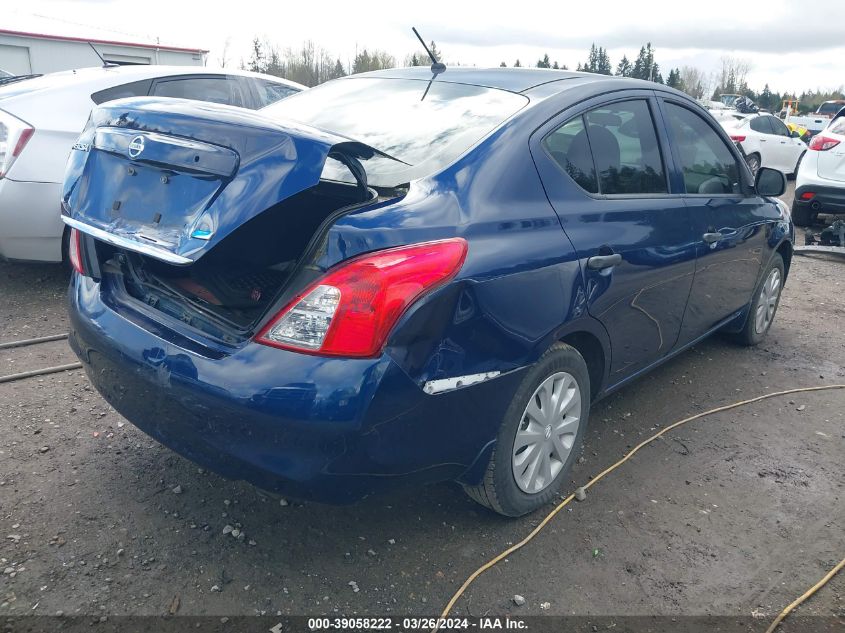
{"points": [[764, 305], [540, 436]]}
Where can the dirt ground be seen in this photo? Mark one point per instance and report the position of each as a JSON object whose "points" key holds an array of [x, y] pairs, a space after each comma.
{"points": [[735, 514]]}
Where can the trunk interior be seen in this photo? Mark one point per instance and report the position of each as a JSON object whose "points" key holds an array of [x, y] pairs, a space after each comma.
{"points": [[227, 291]]}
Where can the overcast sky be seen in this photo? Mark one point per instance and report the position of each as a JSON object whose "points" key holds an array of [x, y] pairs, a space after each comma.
{"points": [[792, 45]]}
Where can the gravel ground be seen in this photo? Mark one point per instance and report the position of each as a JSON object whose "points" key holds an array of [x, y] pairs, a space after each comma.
{"points": [[733, 514]]}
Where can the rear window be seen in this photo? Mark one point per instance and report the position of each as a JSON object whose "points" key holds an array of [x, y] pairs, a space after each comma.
{"points": [[830, 108], [134, 89], [392, 116]]}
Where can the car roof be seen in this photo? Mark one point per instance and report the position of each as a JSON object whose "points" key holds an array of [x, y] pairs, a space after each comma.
{"points": [[100, 77], [512, 79]]}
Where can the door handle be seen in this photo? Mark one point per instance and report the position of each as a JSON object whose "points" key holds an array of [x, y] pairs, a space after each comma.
{"points": [[711, 238], [600, 262]]}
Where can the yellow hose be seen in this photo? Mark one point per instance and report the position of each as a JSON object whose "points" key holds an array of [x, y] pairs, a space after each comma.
{"points": [[498, 558]]}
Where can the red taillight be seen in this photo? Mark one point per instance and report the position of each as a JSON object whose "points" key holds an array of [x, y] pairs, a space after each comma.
{"points": [[74, 251], [738, 138], [808, 195], [23, 139], [823, 143], [351, 310]]}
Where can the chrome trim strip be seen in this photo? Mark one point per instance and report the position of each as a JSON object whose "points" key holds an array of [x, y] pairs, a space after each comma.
{"points": [[458, 382], [128, 244]]}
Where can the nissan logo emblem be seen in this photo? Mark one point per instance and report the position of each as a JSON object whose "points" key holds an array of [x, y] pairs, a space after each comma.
{"points": [[136, 146]]}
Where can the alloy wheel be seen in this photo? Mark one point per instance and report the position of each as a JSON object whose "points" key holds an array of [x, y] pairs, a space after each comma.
{"points": [[546, 434], [767, 301]]}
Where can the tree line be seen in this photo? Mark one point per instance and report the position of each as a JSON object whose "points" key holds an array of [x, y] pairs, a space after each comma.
{"points": [[311, 65]]}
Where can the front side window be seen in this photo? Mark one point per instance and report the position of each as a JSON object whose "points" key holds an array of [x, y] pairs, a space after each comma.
{"points": [[778, 127], [708, 165]]}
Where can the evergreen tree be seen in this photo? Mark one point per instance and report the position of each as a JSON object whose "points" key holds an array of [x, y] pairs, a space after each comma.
{"points": [[544, 63], [674, 79], [503, 65], [603, 66], [339, 70], [624, 68], [517, 64], [555, 66], [256, 61]]}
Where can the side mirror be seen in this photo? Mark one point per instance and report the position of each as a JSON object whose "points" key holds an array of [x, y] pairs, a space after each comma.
{"points": [[770, 182]]}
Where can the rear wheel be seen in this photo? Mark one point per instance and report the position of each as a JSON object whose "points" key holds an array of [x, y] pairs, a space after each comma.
{"points": [[540, 436], [753, 162], [765, 304]]}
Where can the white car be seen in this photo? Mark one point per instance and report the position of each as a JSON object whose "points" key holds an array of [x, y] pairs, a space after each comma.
{"points": [[766, 141], [41, 118], [820, 183]]}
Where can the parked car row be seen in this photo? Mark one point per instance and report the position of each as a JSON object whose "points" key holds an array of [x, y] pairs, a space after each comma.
{"points": [[36, 136], [766, 141], [392, 279]]}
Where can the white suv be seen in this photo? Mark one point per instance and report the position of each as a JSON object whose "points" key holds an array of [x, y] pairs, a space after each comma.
{"points": [[820, 183], [766, 141], [42, 116]]}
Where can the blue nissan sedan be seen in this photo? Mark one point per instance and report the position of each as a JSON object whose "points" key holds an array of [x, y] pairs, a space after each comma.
{"points": [[396, 278]]}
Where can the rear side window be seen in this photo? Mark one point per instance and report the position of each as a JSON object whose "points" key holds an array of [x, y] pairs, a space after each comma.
{"points": [[270, 92], [135, 89], [568, 146], [762, 124], [214, 89], [625, 149], [838, 126], [611, 150], [707, 163]]}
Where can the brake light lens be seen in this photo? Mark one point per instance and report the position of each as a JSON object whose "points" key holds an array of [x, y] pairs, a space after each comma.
{"points": [[352, 309], [738, 138], [74, 251], [808, 195], [14, 135], [823, 143]]}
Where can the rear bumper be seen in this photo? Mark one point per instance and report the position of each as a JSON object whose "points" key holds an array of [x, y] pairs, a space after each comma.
{"points": [[330, 430], [30, 221], [826, 199]]}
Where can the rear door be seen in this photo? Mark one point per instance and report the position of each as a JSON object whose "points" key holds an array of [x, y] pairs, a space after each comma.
{"points": [[831, 162], [633, 236], [730, 222], [790, 148]]}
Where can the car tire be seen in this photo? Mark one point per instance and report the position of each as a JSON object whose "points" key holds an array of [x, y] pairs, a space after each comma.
{"points": [[753, 162], [801, 215], [505, 487], [764, 304]]}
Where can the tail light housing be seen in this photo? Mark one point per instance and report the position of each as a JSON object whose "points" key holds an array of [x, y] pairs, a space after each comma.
{"points": [[823, 143], [737, 138], [74, 251], [352, 309], [14, 135]]}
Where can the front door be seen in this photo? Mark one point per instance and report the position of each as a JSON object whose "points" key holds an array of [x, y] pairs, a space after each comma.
{"points": [[730, 222], [633, 238]]}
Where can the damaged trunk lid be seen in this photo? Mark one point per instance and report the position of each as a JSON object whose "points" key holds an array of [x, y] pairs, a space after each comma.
{"points": [[171, 179]]}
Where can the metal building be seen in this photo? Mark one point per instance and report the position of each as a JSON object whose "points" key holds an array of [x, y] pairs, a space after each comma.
{"points": [[24, 52]]}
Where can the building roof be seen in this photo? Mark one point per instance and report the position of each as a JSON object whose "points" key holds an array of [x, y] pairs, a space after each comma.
{"points": [[18, 24]]}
